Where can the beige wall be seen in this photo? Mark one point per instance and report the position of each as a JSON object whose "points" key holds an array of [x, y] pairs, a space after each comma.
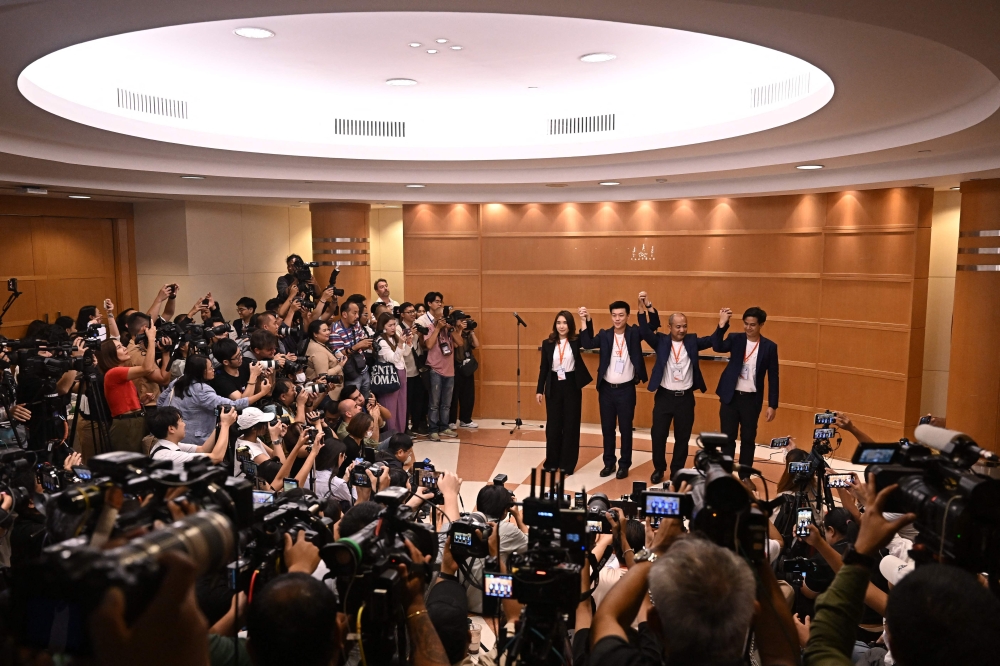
{"points": [[231, 250], [386, 247], [940, 302]]}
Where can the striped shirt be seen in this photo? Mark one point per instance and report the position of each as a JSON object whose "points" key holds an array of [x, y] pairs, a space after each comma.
{"points": [[342, 338]]}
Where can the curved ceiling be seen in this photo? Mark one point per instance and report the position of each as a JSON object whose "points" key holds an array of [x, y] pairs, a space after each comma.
{"points": [[495, 87], [917, 93]]}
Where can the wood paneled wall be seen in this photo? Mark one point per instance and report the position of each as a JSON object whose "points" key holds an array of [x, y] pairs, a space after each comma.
{"points": [[65, 254], [974, 377], [347, 222], [842, 276]]}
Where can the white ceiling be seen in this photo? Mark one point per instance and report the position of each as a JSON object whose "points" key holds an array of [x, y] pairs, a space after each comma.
{"points": [[916, 98]]}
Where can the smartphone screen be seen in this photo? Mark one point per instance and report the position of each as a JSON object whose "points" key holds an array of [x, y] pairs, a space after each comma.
{"points": [[823, 433], [798, 467], [779, 442], [838, 481], [802, 522], [290, 483], [498, 585], [263, 497], [825, 419]]}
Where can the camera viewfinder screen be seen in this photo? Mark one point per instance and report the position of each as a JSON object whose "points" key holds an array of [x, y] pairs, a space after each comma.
{"points": [[263, 497], [462, 538], [498, 585], [594, 526], [663, 505], [876, 456]]}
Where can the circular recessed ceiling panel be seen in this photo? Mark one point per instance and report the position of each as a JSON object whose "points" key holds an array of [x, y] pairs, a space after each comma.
{"points": [[318, 86]]}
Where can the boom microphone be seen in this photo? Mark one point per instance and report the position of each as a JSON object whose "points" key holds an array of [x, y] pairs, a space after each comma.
{"points": [[956, 445]]}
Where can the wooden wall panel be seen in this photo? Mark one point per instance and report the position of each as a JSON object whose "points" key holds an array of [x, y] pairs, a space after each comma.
{"points": [[65, 254], [342, 220], [841, 275]]}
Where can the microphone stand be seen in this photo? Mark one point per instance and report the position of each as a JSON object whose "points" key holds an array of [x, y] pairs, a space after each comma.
{"points": [[517, 423]]}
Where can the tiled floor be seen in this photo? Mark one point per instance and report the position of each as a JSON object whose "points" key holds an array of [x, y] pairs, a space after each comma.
{"points": [[479, 455]]}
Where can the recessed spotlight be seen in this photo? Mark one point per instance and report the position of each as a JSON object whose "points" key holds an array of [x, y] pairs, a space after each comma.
{"points": [[609, 182], [78, 196], [193, 177], [415, 185], [400, 82], [456, 48], [254, 33], [809, 167], [415, 45], [661, 180], [598, 57], [432, 51], [957, 187], [442, 40]]}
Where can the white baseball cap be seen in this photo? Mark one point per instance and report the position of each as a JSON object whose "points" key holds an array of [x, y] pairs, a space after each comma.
{"points": [[895, 569], [251, 416]]}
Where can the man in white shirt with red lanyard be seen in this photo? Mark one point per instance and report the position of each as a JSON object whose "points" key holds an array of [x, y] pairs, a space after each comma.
{"points": [[675, 377], [741, 386]]}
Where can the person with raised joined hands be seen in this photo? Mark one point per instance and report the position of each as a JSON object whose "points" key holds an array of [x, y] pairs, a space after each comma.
{"points": [[621, 367], [741, 386], [675, 377], [561, 378]]}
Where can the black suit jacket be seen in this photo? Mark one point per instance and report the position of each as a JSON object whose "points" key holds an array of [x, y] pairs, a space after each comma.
{"points": [[661, 343], [581, 373], [767, 362], [605, 340]]}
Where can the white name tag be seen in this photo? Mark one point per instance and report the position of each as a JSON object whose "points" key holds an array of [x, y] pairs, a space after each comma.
{"points": [[560, 373], [619, 365], [745, 372], [677, 376]]}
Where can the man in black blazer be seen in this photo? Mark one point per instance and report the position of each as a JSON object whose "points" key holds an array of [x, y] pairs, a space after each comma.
{"points": [[675, 377], [741, 387], [620, 369]]}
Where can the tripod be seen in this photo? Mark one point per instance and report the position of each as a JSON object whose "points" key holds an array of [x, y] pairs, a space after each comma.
{"points": [[100, 435], [517, 423]]}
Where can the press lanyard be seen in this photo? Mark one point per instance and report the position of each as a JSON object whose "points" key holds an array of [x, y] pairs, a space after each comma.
{"points": [[562, 350], [747, 357], [676, 351], [619, 348]]}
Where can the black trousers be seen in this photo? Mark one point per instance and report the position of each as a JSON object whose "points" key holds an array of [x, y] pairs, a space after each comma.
{"points": [[562, 422], [617, 405], [667, 407], [741, 414], [416, 403], [463, 398]]}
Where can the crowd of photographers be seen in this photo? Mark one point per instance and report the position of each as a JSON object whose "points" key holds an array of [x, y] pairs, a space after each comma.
{"points": [[247, 492]]}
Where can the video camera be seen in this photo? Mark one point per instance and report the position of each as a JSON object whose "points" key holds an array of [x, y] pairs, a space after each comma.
{"points": [[958, 510]]}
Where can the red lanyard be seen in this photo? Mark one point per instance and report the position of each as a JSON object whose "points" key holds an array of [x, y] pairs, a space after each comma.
{"points": [[619, 348], [562, 350], [747, 357], [676, 353]]}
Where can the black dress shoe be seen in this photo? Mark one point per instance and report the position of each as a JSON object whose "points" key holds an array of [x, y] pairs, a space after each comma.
{"points": [[567, 472], [622, 473], [657, 476], [608, 471]]}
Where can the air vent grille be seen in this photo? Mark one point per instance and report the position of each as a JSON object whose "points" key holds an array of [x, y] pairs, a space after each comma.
{"points": [[779, 91], [158, 106], [388, 128], [583, 124]]}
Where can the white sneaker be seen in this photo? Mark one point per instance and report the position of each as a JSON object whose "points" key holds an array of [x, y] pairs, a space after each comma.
{"points": [[471, 424], [449, 433], [451, 426]]}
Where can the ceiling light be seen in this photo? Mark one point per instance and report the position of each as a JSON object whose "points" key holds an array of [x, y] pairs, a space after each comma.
{"points": [[809, 167], [400, 82], [254, 33], [416, 44], [920, 185], [609, 182], [456, 48], [193, 177], [957, 187], [415, 185], [78, 196], [532, 87], [432, 50], [598, 57], [442, 40]]}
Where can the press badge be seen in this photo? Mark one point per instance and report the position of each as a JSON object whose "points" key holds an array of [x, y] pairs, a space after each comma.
{"points": [[677, 375], [745, 372], [619, 365], [561, 374]]}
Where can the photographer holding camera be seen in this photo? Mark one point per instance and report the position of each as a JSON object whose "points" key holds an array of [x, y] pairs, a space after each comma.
{"points": [[348, 338], [119, 391], [148, 386], [167, 426], [464, 396], [440, 344]]}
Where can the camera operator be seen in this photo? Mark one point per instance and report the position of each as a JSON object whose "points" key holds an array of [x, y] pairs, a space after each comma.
{"points": [[349, 338], [464, 395], [47, 415], [148, 386], [193, 395], [496, 503], [167, 426], [270, 322], [440, 347], [120, 392], [235, 377], [705, 603], [627, 538], [289, 400]]}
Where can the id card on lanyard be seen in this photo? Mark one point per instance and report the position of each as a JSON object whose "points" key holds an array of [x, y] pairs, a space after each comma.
{"points": [[745, 371], [676, 373], [619, 353], [560, 371]]}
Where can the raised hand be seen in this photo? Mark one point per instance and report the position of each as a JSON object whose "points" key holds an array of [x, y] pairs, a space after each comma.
{"points": [[724, 316]]}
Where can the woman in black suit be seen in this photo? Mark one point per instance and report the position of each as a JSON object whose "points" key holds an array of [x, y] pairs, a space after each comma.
{"points": [[561, 377]]}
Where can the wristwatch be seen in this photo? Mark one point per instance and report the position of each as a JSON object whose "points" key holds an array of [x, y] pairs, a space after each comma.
{"points": [[645, 555]]}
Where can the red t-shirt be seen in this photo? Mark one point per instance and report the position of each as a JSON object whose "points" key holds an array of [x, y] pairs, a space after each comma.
{"points": [[119, 392]]}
